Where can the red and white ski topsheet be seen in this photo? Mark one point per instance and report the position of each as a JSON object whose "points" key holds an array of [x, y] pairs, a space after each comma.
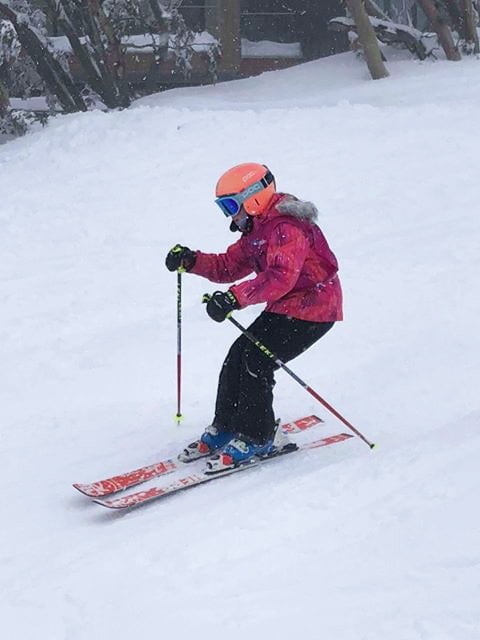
{"points": [[195, 479], [143, 474]]}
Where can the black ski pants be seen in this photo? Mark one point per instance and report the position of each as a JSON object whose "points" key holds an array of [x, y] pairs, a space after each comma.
{"points": [[245, 387]]}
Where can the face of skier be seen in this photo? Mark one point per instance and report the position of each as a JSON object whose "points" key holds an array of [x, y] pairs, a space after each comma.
{"points": [[242, 220]]}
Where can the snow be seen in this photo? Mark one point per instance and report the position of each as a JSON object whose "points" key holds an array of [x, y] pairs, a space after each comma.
{"points": [[145, 42], [34, 103], [142, 42], [353, 545], [203, 41], [269, 49]]}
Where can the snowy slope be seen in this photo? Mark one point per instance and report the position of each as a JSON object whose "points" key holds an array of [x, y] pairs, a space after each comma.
{"points": [[356, 545]]}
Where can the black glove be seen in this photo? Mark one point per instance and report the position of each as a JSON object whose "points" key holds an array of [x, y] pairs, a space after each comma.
{"points": [[220, 305], [180, 258]]}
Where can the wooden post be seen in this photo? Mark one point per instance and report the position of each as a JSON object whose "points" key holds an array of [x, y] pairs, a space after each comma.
{"points": [[368, 39], [223, 22]]}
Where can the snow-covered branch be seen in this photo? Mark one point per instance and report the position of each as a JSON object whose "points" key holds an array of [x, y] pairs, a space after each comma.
{"points": [[388, 32], [46, 64]]}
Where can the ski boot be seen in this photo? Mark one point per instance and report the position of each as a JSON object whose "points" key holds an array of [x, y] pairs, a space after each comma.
{"points": [[240, 451], [210, 441]]}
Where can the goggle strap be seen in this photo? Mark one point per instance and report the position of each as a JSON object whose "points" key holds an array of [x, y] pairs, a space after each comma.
{"points": [[267, 179]]}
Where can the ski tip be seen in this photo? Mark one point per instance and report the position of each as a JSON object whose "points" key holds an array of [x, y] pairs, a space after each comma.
{"points": [[94, 490], [81, 487]]}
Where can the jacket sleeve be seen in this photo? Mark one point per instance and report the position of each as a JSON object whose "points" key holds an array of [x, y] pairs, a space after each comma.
{"points": [[224, 267], [287, 249]]}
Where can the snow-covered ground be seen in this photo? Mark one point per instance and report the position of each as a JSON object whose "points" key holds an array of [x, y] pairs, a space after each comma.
{"points": [[342, 543]]}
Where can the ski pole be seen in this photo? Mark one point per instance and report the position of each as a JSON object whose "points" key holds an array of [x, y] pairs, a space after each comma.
{"points": [[179, 416], [281, 364]]}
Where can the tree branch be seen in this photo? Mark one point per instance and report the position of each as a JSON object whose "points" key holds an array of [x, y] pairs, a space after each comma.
{"points": [[49, 69]]}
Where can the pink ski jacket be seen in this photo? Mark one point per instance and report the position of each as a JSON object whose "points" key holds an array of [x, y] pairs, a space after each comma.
{"points": [[296, 270]]}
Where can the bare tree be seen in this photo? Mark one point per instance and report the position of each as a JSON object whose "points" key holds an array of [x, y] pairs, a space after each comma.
{"points": [[368, 39], [9, 47], [441, 28], [96, 46], [49, 68], [469, 18], [93, 67], [110, 51], [464, 18]]}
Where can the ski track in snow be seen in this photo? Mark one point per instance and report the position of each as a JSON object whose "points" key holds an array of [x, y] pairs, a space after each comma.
{"points": [[353, 545]]}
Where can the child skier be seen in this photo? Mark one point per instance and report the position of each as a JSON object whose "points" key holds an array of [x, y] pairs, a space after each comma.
{"points": [[296, 275]]}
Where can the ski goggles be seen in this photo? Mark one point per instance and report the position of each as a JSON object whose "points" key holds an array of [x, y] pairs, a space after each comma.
{"points": [[231, 204]]}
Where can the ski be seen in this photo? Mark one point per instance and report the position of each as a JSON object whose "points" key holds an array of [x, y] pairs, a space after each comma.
{"points": [[130, 479], [195, 479]]}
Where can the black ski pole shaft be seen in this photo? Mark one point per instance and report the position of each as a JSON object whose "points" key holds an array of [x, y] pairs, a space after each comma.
{"points": [[179, 416], [311, 391]]}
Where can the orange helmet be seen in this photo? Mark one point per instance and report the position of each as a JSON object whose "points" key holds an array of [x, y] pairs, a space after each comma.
{"points": [[250, 184]]}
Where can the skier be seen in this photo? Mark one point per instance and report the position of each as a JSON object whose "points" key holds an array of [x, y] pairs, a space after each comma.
{"points": [[296, 275]]}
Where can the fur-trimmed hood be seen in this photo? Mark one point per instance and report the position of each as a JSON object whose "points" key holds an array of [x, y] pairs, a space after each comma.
{"points": [[301, 209]]}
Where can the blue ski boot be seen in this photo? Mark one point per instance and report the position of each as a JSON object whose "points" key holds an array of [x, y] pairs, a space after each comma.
{"points": [[210, 441], [240, 451]]}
